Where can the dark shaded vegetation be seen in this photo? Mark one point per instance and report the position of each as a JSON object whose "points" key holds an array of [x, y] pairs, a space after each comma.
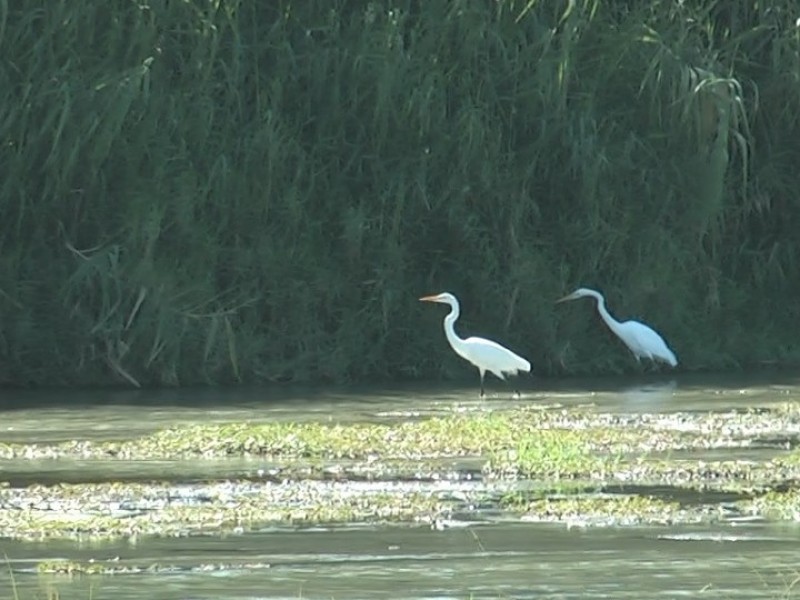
{"points": [[226, 191]]}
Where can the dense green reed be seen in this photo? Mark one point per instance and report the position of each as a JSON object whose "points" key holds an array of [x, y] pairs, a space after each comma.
{"points": [[207, 191]]}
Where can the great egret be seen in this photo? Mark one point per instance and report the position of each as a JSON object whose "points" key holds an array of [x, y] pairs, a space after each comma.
{"points": [[640, 339], [484, 354]]}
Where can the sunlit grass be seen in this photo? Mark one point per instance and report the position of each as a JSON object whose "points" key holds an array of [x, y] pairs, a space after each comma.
{"points": [[469, 435], [91, 511], [519, 442], [551, 440], [533, 464], [555, 453], [600, 509], [778, 505]]}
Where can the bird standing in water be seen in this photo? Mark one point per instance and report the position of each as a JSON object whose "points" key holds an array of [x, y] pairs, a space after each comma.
{"points": [[640, 339], [484, 354]]}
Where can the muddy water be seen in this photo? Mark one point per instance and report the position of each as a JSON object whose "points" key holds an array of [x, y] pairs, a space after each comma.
{"points": [[479, 554]]}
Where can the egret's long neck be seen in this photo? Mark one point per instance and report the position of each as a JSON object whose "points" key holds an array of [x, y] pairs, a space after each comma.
{"points": [[612, 323], [449, 329]]}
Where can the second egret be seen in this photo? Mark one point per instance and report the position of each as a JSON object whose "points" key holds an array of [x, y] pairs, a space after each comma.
{"points": [[640, 339]]}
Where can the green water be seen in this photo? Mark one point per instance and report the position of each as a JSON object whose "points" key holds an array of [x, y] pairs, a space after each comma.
{"points": [[477, 554]]}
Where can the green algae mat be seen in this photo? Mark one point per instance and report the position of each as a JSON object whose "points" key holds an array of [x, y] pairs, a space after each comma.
{"points": [[572, 466]]}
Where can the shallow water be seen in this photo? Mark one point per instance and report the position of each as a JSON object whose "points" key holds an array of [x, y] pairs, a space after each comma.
{"points": [[476, 555], [497, 561]]}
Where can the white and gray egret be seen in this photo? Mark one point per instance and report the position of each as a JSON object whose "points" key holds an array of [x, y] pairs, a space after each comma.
{"points": [[640, 339], [484, 354]]}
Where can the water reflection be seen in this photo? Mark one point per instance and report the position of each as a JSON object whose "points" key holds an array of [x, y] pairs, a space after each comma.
{"points": [[653, 397]]}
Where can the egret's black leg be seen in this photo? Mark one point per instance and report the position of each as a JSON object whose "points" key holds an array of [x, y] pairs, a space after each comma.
{"points": [[517, 393], [515, 388], [483, 393]]}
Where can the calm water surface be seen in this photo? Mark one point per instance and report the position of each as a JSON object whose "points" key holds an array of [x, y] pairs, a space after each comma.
{"points": [[481, 559]]}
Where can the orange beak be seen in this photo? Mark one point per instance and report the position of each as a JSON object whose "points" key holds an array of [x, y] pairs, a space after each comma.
{"points": [[428, 299]]}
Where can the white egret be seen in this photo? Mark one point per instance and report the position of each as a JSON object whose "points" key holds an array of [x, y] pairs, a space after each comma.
{"points": [[640, 339], [484, 354]]}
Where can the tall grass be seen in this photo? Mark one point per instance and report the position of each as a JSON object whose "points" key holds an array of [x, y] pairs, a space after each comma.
{"points": [[208, 191]]}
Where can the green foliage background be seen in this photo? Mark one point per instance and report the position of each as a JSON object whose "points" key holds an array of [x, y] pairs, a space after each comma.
{"points": [[218, 191]]}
